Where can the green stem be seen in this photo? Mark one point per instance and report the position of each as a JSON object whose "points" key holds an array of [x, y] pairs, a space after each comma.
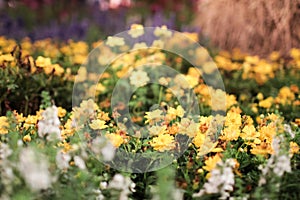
{"points": [[160, 94]]}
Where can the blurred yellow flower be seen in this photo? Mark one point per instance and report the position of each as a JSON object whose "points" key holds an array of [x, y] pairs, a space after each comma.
{"points": [[153, 116], [98, 124], [61, 112], [27, 138], [157, 130], [115, 139], [266, 103], [58, 70], [199, 139], [42, 61], [6, 57], [294, 148], [211, 163], [285, 96], [3, 125]]}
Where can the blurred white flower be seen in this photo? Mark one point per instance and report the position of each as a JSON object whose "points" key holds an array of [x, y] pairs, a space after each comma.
{"points": [[99, 195], [103, 148], [79, 162], [62, 160], [221, 180], [103, 185], [277, 164], [34, 168], [5, 151], [123, 184], [162, 32], [288, 129], [48, 126], [282, 165], [139, 78], [136, 30], [115, 41]]}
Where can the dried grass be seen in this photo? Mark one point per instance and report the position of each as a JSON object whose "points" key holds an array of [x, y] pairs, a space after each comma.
{"points": [[255, 26]]}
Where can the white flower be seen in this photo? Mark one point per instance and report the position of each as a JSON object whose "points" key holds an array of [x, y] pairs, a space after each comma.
{"points": [[136, 31], [282, 165], [79, 162], [115, 41], [221, 180], [103, 185], [123, 184], [34, 168], [103, 147], [62, 160], [158, 44], [99, 195], [139, 78], [5, 151], [288, 129], [162, 32], [277, 164], [49, 125], [141, 45]]}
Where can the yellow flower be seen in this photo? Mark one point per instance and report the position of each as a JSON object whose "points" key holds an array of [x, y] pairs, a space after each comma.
{"points": [[249, 134], [61, 112], [179, 111], [275, 55], [153, 116], [30, 121], [58, 70], [158, 130], [295, 53], [27, 138], [267, 103], [285, 96], [115, 139], [209, 67], [42, 61], [48, 69], [189, 127], [173, 113], [260, 96], [192, 36], [192, 81], [230, 100], [294, 148], [199, 139], [233, 119], [3, 125], [163, 142], [98, 124], [6, 57], [211, 163], [230, 133]]}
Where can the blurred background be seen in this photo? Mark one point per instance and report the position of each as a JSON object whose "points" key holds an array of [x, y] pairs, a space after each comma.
{"points": [[90, 20], [255, 27]]}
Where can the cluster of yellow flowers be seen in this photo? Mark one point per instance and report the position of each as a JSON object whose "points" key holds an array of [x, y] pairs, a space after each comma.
{"points": [[287, 96], [253, 67]]}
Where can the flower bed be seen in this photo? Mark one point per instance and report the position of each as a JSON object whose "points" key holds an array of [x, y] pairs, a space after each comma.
{"points": [[46, 155]]}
